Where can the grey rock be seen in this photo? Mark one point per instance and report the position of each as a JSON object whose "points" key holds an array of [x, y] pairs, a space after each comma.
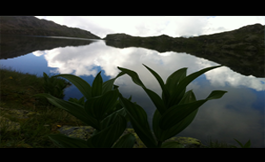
{"points": [[85, 132]]}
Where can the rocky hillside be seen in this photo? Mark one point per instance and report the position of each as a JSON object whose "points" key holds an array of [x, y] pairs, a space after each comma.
{"points": [[30, 25], [242, 49], [247, 38]]}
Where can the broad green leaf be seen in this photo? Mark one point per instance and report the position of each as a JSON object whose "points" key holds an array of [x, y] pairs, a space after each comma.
{"points": [[114, 108], [163, 135], [108, 136], [171, 83], [64, 141], [130, 98], [108, 85], [152, 95], [90, 107], [106, 122], [216, 94], [133, 75], [188, 97], [115, 86], [172, 144], [96, 89], [81, 84], [161, 83], [179, 112], [179, 127], [158, 102], [138, 118], [155, 125], [73, 108], [180, 89], [81, 100], [247, 145], [239, 143], [174, 79], [100, 105], [108, 102], [126, 141], [45, 77]]}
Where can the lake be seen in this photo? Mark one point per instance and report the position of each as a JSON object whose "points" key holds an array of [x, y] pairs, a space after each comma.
{"points": [[238, 114]]}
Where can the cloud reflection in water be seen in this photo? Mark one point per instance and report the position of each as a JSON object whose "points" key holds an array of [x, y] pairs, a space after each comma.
{"points": [[232, 116]]}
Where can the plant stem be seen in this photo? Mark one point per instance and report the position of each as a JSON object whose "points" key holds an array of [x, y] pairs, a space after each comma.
{"points": [[159, 144]]}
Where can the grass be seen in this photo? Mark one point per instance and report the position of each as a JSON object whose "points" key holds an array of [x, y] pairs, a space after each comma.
{"points": [[16, 90]]}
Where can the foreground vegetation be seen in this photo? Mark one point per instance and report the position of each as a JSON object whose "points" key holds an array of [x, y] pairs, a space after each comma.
{"points": [[17, 90], [16, 93]]}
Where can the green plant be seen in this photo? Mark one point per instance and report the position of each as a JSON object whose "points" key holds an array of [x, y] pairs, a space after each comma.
{"points": [[174, 112], [101, 100], [81, 101], [247, 145], [54, 86]]}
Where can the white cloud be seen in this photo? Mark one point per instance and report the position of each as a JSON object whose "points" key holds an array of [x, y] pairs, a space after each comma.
{"points": [[38, 53], [174, 26], [226, 23]]}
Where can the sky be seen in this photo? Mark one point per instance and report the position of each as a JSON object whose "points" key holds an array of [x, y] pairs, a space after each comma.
{"points": [[174, 26]]}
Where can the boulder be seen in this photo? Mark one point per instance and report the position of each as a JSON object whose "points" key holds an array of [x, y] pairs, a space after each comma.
{"points": [[85, 132]]}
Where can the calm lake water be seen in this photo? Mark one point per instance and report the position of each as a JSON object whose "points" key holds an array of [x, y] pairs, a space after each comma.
{"points": [[238, 114]]}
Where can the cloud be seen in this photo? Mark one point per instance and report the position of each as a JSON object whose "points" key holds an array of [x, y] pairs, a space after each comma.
{"points": [[173, 26], [226, 23], [218, 120], [38, 53]]}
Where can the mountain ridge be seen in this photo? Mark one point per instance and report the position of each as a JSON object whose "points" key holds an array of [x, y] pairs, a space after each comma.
{"points": [[30, 25], [248, 28], [241, 49]]}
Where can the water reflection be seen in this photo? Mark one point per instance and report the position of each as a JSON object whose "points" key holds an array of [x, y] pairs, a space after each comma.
{"points": [[81, 60], [238, 114], [14, 46]]}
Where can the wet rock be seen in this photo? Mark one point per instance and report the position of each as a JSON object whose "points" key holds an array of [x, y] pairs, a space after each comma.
{"points": [[85, 132]]}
